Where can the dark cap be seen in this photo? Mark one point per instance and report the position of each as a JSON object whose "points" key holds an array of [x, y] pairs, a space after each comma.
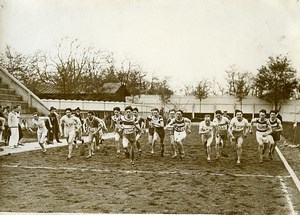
{"points": [[77, 108], [52, 108]]}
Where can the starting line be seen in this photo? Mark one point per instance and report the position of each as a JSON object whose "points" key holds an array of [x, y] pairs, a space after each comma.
{"points": [[142, 171]]}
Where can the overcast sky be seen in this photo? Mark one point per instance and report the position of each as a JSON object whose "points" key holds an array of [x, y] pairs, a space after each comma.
{"points": [[182, 39]]}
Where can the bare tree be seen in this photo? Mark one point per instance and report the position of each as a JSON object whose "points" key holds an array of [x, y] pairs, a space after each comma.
{"points": [[202, 90], [240, 84]]}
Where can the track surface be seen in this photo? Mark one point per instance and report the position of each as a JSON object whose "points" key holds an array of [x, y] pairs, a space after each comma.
{"points": [[36, 182]]}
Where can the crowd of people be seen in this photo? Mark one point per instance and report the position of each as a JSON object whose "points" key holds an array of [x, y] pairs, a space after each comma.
{"points": [[10, 126], [129, 126]]}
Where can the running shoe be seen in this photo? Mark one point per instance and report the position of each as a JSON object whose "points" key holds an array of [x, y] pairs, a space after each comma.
{"points": [[261, 160], [174, 156], [270, 155]]}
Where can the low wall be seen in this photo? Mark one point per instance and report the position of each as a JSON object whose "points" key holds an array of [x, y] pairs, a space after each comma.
{"points": [[290, 110]]}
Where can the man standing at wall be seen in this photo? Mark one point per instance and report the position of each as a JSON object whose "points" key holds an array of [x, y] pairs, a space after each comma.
{"points": [[55, 126], [13, 125], [6, 132]]}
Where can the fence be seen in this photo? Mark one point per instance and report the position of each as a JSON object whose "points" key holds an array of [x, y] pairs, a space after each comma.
{"points": [[290, 110]]}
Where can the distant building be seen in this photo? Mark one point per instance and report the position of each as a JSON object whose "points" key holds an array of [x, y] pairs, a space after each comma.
{"points": [[110, 92]]}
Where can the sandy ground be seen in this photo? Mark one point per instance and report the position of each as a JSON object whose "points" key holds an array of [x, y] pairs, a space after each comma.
{"points": [[37, 182]]}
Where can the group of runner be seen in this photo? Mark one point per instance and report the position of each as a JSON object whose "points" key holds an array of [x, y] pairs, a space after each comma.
{"points": [[235, 130], [129, 126]]}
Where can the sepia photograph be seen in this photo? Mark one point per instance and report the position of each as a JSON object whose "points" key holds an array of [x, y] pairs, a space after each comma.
{"points": [[150, 107]]}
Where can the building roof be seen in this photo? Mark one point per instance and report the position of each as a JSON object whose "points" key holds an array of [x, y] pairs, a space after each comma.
{"points": [[48, 89], [111, 88]]}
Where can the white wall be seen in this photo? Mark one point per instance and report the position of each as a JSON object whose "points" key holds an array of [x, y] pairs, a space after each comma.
{"points": [[290, 110]]}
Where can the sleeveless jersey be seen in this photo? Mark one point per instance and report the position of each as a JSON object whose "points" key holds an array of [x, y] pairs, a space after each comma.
{"points": [[238, 126], [179, 125], [94, 124], [70, 123], [40, 124], [129, 124], [203, 127], [275, 124], [261, 126], [156, 120], [117, 121], [221, 125]]}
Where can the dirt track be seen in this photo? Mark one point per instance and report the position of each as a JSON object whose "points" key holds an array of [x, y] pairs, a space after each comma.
{"points": [[193, 187]]}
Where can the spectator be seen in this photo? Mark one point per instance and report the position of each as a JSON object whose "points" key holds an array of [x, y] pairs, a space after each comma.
{"points": [[2, 122], [13, 124], [19, 126], [53, 127], [6, 133]]}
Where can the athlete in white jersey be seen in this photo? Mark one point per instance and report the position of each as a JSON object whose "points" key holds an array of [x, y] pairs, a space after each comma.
{"points": [[180, 125], [93, 127], [263, 133], [238, 129], [129, 127], [39, 123], [206, 130], [172, 115], [276, 131], [68, 125], [222, 124], [116, 124]]}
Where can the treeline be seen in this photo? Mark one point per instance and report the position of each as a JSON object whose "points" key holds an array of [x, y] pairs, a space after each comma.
{"points": [[76, 68]]}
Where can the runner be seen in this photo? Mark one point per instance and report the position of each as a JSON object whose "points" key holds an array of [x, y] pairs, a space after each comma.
{"points": [[276, 131], [221, 123], [39, 123], [129, 127], [157, 122], [238, 130], [93, 126], [172, 114], [150, 129], [206, 130], [180, 125], [263, 133], [141, 123], [116, 124], [68, 125], [78, 135]]}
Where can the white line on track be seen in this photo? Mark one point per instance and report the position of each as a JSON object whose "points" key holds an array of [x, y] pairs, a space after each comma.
{"points": [[141, 171], [287, 197], [289, 169]]}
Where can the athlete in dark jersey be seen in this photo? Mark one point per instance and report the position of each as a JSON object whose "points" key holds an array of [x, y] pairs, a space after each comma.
{"points": [[263, 131], [141, 123], [180, 125], [276, 131], [157, 122], [129, 127], [116, 124]]}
